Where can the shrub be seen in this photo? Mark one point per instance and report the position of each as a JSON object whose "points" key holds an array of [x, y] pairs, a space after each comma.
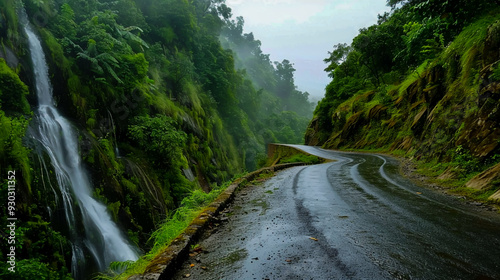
{"points": [[159, 137]]}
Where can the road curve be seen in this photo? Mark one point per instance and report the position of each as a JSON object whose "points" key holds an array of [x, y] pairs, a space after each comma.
{"points": [[354, 218]]}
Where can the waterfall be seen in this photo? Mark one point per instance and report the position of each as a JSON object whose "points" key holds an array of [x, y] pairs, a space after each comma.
{"points": [[91, 229]]}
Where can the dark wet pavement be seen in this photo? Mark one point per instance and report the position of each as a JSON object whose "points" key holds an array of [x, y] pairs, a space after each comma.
{"points": [[355, 218]]}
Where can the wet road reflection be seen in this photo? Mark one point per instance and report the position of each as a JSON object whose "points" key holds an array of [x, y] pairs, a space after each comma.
{"points": [[354, 218]]}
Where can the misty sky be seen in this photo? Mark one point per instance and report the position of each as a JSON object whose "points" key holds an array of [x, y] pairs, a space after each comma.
{"points": [[304, 31]]}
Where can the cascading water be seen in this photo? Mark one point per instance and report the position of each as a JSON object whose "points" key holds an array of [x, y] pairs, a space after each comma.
{"points": [[100, 237]]}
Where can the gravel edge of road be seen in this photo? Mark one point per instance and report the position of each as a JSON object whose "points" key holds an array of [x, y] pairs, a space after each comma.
{"points": [[168, 261]]}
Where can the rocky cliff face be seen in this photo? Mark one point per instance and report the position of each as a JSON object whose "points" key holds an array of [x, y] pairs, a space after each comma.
{"points": [[448, 109]]}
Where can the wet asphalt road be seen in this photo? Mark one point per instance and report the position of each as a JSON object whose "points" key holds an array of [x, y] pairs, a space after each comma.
{"points": [[355, 218]]}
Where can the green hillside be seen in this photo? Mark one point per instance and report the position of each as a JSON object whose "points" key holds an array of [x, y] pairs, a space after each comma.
{"points": [[163, 114], [424, 82]]}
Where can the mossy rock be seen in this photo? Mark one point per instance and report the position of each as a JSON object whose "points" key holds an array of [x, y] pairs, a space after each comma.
{"points": [[485, 179], [351, 124], [491, 49], [495, 197], [376, 111]]}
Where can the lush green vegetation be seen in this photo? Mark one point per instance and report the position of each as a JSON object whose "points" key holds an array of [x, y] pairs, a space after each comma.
{"points": [[423, 83], [170, 98], [308, 159], [172, 227], [284, 154]]}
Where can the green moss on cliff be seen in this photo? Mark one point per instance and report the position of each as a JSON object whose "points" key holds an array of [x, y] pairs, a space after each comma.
{"points": [[444, 112]]}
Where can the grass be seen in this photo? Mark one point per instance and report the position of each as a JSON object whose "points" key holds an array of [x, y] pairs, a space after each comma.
{"points": [[477, 195], [308, 159], [467, 46], [285, 154], [432, 169], [413, 77], [191, 207], [173, 226]]}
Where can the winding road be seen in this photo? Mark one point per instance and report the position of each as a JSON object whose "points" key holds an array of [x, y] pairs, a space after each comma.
{"points": [[353, 218]]}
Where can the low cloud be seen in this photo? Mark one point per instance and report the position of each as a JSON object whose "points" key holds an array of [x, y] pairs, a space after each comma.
{"points": [[304, 31]]}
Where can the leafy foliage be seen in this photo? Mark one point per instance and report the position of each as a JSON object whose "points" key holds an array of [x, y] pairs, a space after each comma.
{"points": [[422, 82], [13, 91], [164, 109], [159, 138], [33, 269], [464, 160], [309, 159], [455, 13], [172, 226]]}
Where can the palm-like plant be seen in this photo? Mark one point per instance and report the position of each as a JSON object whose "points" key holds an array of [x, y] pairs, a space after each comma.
{"points": [[100, 63], [126, 33]]}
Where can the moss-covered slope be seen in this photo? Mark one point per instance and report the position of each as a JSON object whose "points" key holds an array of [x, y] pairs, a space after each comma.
{"points": [[446, 111]]}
